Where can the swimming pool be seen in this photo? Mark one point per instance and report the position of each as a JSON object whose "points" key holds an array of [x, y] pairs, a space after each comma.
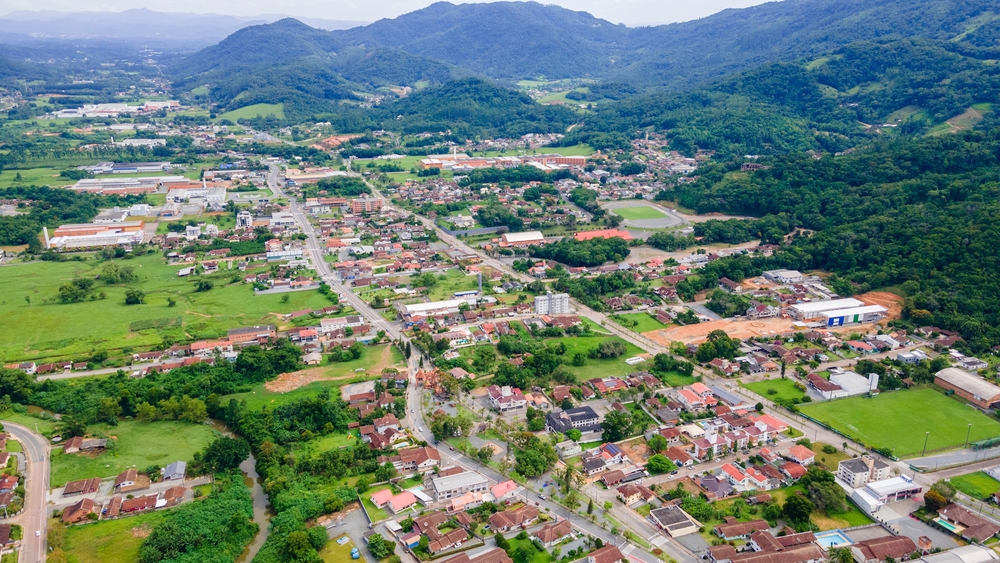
{"points": [[946, 524], [833, 538]]}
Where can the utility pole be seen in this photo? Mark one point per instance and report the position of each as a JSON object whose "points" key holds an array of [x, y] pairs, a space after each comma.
{"points": [[927, 435], [967, 434]]}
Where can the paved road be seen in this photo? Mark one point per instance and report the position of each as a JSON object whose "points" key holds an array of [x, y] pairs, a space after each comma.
{"points": [[644, 529], [33, 517], [323, 267]]}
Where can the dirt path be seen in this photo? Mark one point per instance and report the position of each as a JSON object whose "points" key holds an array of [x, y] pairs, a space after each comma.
{"points": [[384, 361]]}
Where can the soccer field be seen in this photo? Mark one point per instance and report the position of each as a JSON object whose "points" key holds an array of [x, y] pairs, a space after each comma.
{"points": [[899, 420], [638, 212]]}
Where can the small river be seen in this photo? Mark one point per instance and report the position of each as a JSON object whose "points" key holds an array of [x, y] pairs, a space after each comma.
{"points": [[261, 511]]}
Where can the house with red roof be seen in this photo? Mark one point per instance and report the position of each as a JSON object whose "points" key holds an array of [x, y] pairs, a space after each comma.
{"points": [[403, 501], [801, 455], [380, 498]]}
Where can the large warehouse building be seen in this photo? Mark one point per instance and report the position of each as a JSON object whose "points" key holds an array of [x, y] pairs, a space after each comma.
{"points": [[815, 309], [855, 315], [969, 386], [90, 235], [522, 239], [437, 307]]}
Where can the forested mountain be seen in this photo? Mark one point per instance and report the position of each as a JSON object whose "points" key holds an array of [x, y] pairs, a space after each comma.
{"points": [[526, 39], [268, 44], [830, 104], [473, 107], [503, 39], [309, 67], [689, 53], [920, 214]]}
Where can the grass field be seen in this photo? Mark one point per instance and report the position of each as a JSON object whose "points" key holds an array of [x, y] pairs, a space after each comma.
{"points": [[677, 379], [110, 541], [899, 420], [596, 368], [830, 461], [376, 514], [333, 552], [643, 322], [639, 212], [140, 444], [372, 357], [34, 177], [46, 427], [454, 280], [49, 329], [977, 485], [256, 110], [853, 517], [785, 389]]}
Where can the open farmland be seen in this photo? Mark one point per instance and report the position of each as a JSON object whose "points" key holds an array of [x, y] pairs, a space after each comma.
{"points": [[50, 329]]}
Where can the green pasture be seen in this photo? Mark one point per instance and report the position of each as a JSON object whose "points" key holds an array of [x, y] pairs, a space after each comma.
{"points": [[49, 329]]}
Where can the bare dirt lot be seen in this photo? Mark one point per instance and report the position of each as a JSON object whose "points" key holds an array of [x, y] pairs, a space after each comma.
{"points": [[636, 450], [693, 334], [888, 300], [291, 381]]}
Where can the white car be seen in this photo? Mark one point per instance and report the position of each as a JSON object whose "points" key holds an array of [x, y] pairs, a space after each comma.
{"points": [[38, 533], [420, 428]]}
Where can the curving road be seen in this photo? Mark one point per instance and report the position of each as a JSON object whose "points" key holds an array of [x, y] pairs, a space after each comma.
{"points": [[33, 517]]}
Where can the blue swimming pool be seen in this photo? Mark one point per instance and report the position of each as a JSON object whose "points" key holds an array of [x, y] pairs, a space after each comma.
{"points": [[833, 538]]}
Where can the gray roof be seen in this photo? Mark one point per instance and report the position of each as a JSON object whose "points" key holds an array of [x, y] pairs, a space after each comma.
{"points": [[726, 396], [970, 383], [563, 421], [855, 465], [175, 468], [460, 480]]}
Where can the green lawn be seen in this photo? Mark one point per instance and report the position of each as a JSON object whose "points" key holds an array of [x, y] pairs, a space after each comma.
{"points": [[852, 517], [831, 461], [376, 514], [51, 330], [542, 556], [977, 485], [344, 372], [454, 280], [110, 541], [639, 322], [677, 379], [328, 442], [46, 427], [35, 177], [596, 368], [639, 212], [899, 420], [140, 444], [784, 389], [336, 553], [256, 110]]}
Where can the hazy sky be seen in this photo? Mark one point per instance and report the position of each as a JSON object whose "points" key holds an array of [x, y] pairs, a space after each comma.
{"points": [[631, 12]]}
